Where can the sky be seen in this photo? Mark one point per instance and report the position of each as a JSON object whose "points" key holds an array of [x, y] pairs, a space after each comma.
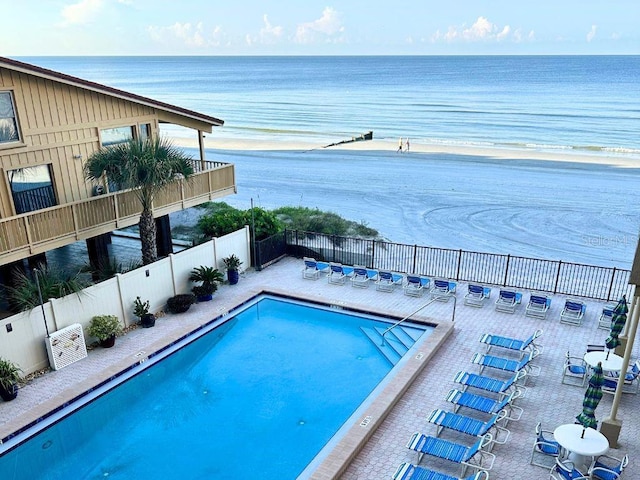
{"points": [[310, 27]]}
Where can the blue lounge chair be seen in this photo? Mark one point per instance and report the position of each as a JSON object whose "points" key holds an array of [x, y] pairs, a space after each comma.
{"points": [[484, 404], [388, 281], [507, 364], [492, 385], [573, 312], [476, 295], [360, 277], [467, 456], [471, 426], [538, 306], [508, 300], [604, 321], [336, 274], [512, 343], [414, 286], [312, 268], [442, 289], [407, 471]]}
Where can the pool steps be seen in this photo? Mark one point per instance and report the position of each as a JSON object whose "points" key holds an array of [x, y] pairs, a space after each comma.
{"points": [[397, 342]]}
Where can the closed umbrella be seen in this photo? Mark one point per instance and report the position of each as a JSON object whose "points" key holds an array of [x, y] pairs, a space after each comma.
{"points": [[618, 320], [592, 398]]}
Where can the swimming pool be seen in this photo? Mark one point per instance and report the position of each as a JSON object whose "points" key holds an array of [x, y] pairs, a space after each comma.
{"points": [[260, 394]]}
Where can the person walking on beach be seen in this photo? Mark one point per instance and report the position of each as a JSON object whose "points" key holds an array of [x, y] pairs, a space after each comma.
{"points": [[399, 146], [406, 149]]}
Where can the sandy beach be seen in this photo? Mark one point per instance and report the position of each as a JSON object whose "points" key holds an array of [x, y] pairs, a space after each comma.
{"points": [[213, 142], [551, 205]]}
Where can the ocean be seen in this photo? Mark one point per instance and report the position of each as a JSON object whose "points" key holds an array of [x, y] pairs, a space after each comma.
{"points": [[575, 212], [581, 103]]}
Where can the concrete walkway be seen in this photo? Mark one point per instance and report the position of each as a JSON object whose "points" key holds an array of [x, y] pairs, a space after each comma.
{"points": [[547, 400]]}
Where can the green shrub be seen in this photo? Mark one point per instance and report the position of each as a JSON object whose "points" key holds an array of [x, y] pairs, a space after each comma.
{"points": [[223, 219], [104, 326], [53, 282]]}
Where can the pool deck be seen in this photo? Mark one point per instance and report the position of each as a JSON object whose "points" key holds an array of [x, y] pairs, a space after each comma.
{"points": [[547, 399]]}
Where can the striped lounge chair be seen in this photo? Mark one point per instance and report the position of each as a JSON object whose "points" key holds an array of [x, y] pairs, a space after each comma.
{"points": [[407, 471], [514, 344], [491, 384], [467, 456], [471, 426], [485, 404], [507, 364]]}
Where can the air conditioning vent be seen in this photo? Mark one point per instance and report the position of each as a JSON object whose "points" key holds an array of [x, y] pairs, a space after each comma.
{"points": [[66, 346]]}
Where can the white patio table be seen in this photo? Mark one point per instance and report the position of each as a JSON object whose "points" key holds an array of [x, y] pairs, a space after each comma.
{"points": [[582, 448], [610, 361]]}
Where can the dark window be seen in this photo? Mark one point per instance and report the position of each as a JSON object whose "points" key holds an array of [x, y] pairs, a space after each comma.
{"points": [[32, 188], [8, 120], [145, 131]]}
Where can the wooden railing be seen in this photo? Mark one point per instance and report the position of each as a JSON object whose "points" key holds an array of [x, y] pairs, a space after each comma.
{"points": [[36, 232]]}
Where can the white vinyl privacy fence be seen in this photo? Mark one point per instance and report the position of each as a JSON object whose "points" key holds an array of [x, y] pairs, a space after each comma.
{"points": [[22, 336]]}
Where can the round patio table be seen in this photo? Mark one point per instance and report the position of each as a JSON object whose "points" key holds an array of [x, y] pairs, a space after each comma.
{"points": [[581, 449], [611, 364]]}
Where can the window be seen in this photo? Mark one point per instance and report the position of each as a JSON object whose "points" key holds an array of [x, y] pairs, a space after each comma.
{"points": [[114, 136], [8, 120], [145, 131], [32, 188]]}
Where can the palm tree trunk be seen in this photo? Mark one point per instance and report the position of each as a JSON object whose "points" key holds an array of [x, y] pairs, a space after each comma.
{"points": [[148, 237]]}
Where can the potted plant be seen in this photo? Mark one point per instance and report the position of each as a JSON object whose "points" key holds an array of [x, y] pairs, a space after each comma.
{"points": [[209, 278], [141, 310], [180, 303], [9, 378], [232, 263], [105, 328]]}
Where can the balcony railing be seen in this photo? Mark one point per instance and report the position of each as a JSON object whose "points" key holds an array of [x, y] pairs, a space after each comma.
{"points": [[36, 232]]}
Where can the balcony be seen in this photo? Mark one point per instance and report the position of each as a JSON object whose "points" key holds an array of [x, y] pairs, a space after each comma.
{"points": [[35, 232]]}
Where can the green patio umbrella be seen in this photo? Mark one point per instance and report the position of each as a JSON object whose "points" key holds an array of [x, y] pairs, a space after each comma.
{"points": [[592, 398], [618, 320]]}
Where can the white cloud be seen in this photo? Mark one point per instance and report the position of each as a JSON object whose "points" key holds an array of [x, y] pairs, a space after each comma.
{"points": [[592, 33], [269, 34], [328, 28], [482, 30], [188, 34], [82, 12]]}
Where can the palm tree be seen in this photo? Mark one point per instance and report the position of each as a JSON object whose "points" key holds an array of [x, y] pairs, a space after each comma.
{"points": [[146, 166]]}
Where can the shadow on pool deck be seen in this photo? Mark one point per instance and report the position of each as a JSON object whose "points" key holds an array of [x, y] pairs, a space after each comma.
{"points": [[547, 400]]}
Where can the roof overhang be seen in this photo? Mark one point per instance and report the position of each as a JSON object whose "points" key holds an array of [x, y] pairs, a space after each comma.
{"points": [[166, 113]]}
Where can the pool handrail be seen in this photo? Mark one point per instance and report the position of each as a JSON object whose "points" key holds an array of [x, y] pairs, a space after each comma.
{"points": [[405, 318]]}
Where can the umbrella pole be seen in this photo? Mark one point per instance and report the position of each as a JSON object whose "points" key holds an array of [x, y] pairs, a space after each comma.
{"points": [[610, 427]]}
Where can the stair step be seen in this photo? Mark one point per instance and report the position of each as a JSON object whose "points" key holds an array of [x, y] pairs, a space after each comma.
{"points": [[414, 332], [387, 350], [398, 335]]}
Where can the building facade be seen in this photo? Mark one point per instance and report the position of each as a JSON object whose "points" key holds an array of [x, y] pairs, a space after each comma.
{"points": [[50, 124]]}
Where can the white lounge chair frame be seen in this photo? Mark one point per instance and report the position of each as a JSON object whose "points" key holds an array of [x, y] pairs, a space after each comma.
{"points": [[538, 306], [506, 303], [476, 295], [571, 315]]}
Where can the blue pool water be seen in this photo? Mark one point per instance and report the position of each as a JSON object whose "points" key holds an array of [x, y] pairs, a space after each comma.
{"points": [[260, 394]]}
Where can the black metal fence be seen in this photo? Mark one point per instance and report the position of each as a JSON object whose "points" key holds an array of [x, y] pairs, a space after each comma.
{"points": [[602, 283]]}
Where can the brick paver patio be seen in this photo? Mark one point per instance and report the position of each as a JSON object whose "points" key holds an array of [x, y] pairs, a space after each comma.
{"points": [[547, 400]]}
